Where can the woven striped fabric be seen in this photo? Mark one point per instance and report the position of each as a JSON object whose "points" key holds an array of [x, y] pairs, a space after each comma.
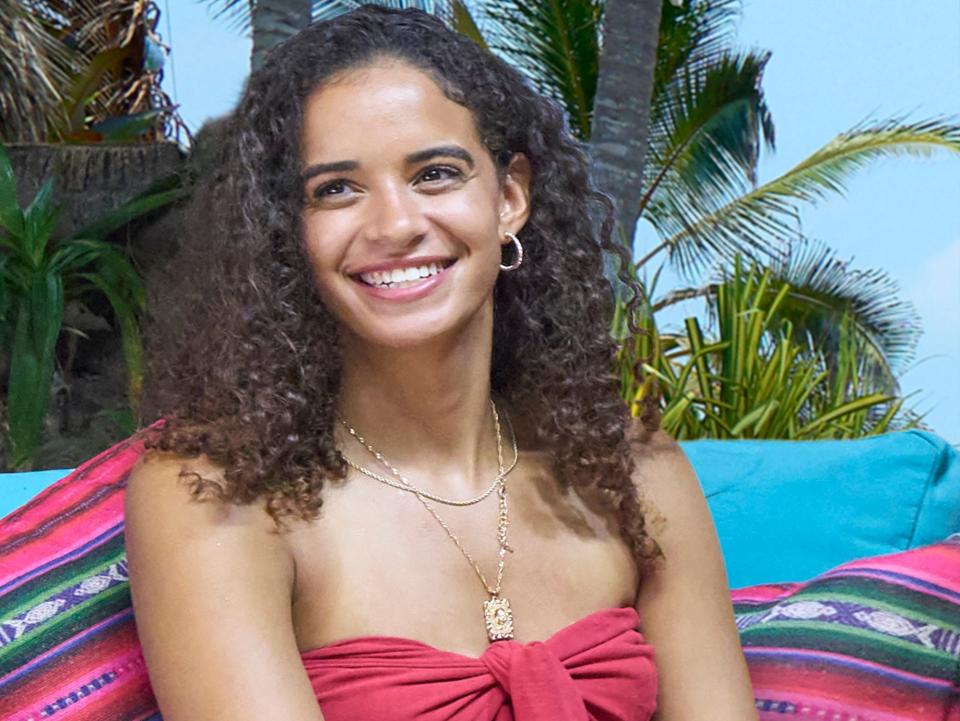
{"points": [[68, 645], [877, 639]]}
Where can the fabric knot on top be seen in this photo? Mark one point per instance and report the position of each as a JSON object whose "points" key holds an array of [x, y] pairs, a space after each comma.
{"points": [[599, 668], [537, 683]]}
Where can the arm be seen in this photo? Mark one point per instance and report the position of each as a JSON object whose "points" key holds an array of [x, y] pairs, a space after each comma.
{"points": [[211, 590], [685, 604]]}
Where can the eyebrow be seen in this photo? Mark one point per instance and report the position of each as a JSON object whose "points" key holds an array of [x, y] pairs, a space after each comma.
{"points": [[450, 151]]}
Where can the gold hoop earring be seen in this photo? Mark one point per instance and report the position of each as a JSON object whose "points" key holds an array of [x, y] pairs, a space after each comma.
{"points": [[519, 259]]}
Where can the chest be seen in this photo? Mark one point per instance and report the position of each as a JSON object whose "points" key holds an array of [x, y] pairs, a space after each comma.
{"points": [[378, 563]]}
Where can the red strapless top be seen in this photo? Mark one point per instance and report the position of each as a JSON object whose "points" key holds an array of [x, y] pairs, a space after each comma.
{"points": [[599, 668]]}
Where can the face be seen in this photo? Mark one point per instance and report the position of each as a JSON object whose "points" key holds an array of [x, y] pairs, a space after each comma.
{"points": [[404, 213]]}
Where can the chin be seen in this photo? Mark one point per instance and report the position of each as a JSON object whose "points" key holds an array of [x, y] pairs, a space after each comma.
{"points": [[404, 340], [423, 331]]}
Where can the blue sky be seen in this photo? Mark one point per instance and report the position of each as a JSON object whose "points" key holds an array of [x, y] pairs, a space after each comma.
{"points": [[835, 64]]}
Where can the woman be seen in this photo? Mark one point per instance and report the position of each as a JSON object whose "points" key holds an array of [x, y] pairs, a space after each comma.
{"points": [[397, 310]]}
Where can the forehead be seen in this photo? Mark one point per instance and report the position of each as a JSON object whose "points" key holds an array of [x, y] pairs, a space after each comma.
{"points": [[388, 105]]}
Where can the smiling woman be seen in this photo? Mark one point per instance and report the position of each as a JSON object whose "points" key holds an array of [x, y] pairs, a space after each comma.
{"points": [[392, 305], [416, 189]]}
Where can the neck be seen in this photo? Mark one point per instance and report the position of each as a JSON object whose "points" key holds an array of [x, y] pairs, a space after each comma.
{"points": [[425, 409]]}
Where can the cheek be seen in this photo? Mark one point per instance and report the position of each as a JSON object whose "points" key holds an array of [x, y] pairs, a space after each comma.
{"points": [[472, 217], [319, 255]]}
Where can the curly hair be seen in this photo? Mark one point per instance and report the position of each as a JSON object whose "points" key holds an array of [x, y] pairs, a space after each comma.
{"points": [[244, 357]]}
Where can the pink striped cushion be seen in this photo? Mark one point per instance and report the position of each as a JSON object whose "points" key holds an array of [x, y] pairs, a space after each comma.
{"points": [[68, 645], [876, 639]]}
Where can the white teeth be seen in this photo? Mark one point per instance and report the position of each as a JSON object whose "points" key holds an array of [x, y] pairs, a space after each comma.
{"points": [[400, 277]]}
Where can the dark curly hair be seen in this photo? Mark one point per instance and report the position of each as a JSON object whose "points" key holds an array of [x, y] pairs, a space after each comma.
{"points": [[244, 358]]}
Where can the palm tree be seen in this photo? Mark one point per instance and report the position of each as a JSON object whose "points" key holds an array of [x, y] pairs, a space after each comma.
{"points": [[621, 122]]}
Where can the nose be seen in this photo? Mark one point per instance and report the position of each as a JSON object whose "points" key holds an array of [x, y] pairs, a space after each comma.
{"points": [[396, 218]]}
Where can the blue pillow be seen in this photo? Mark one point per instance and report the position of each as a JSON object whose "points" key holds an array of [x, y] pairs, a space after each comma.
{"points": [[789, 510], [18, 488]]}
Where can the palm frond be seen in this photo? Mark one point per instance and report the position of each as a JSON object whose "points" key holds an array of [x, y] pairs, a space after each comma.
{"points": [[824, 289], [556, 43], [236, 12], [697, 236], [696, 30], [828, 169], [93, 84], [696, 229], [34, 67], [708, 126]]}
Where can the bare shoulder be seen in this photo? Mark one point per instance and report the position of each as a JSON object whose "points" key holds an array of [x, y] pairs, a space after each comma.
{"points": [[685, 603], [159, 483], [664, 476], [220, 575], [677, 513]]}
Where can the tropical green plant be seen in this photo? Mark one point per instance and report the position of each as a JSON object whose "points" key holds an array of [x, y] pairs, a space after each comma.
{"points": [[38, 276], [755, 377]]}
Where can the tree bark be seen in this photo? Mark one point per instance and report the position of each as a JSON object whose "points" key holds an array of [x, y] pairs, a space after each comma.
{"points": [[618, 142], [274, 21]]}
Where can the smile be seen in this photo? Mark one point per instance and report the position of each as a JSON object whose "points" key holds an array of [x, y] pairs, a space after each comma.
{"points": [[403, 277], [406, 284]]}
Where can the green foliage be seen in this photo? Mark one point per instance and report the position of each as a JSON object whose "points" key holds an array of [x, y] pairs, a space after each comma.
{"points": [[826, 296], [38, 276], [557, 44], [699, 226], [753, 378]]}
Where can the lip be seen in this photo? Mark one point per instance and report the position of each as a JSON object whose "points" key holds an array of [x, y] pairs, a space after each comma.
{"points": [[418, 290]]}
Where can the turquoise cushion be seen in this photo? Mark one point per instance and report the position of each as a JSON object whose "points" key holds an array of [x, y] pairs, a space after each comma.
{"points": [[789, 510], [18, 488]]}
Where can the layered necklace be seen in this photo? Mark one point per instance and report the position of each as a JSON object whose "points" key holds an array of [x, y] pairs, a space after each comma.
{"points": [[498, 618]]}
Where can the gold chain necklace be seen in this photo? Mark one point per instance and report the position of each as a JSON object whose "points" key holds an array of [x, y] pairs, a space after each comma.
{"points": [[404, 483], [497, 615]]}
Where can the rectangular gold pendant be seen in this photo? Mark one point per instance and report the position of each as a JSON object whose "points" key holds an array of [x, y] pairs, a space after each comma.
{"points": [[499, 618]]}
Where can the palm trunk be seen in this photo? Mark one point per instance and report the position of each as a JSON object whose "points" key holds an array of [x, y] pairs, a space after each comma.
{"points": [[273, 22], [621, 122]]}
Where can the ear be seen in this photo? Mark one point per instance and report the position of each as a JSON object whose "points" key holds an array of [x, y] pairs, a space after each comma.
{"points": [[515, 196]]}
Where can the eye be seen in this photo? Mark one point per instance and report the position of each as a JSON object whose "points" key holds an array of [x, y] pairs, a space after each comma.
{"points": [[334, 188], [438, 173]]}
